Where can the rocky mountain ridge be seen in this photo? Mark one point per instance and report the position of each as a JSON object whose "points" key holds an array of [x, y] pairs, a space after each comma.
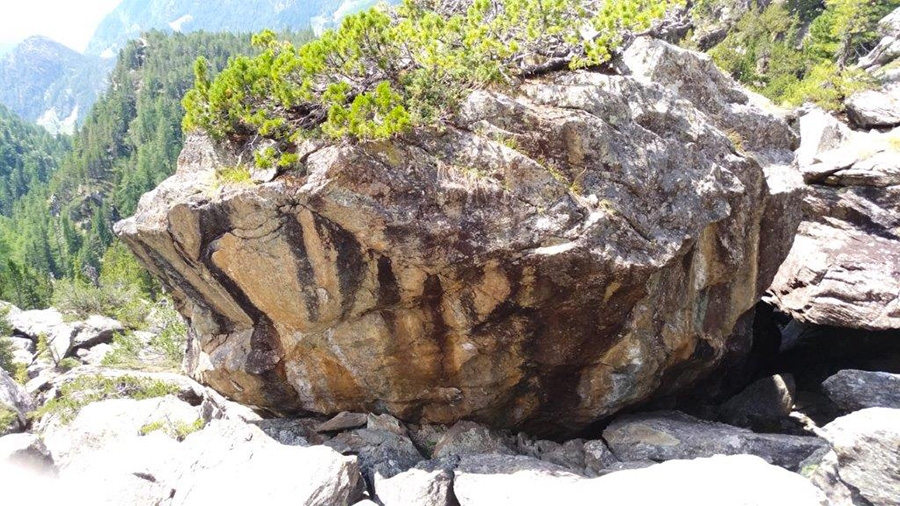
{"points": [[47, 83]]}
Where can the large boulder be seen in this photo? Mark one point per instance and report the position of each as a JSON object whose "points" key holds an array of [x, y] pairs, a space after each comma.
{"points": [[665, 436], [844, 267], [557, 255], [867, 444]]}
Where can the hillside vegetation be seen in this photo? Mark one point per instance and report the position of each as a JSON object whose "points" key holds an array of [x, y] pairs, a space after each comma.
{"points": [[803, 50], [58, 208]]}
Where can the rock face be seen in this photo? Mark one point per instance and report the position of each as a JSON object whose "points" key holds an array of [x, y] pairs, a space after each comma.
{"points": [[867, 444], [844, 268], [557, 256]]}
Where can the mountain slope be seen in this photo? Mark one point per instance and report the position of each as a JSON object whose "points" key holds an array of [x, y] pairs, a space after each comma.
{"points": [[132, 17], [48, 83]]}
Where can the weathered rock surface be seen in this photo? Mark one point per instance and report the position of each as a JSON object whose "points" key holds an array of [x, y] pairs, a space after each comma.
{"points": [[381, 454], [121, 452], [763, 405], [844, 267], [672, 436], [867, 444], [852, 390], [492, 480], [26, 451], [616, 252], [469, 438], [430, 483], [875, 108], [15, 405], [233, 463]]}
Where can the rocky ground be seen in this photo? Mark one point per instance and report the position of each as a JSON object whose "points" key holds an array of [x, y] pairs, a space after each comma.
{"points": [[809, 416], [101, 435]]}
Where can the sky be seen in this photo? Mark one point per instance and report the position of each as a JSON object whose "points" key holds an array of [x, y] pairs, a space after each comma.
{"points": [[71, 22]]}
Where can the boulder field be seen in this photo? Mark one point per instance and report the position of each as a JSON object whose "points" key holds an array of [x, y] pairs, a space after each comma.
{"points": [[561, 252]]}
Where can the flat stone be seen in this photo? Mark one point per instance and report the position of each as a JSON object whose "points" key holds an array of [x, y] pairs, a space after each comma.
{"points": [[671, 435], [344, 421]]}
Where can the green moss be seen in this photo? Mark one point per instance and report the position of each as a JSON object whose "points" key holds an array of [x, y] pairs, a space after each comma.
{"points": [[178, 430], [84, 390]]}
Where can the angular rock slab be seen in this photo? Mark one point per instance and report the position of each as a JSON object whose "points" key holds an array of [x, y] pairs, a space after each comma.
{"points": [[853, 390], [844, 267], [617, 250], [711, 481], [672, 435], [867, 444], [875, 108], [233, 463], [15, 405]]}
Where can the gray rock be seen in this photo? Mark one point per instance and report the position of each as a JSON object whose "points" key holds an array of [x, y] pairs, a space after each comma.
{"points": [[15, 405], [819, 132], [293, 432], [430, 483], [95, 354], [824, 475], [762, 406], [867, 444], [386, 422], [470, 438], [26, 451], [95, 330], [844, 266], [852, 390], [234, 463], [22, 344], [381, 454], [875, 108], [48, 323], [570, 455], [672, 435], [77, 445], [344, 421], [598, 457]]}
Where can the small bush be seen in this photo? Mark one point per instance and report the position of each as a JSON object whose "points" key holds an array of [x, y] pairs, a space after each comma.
{"points": [[7, 418], [237, 175], [178, 430], [81, 299], [6, 355], [84, 390], [67, 364]]}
